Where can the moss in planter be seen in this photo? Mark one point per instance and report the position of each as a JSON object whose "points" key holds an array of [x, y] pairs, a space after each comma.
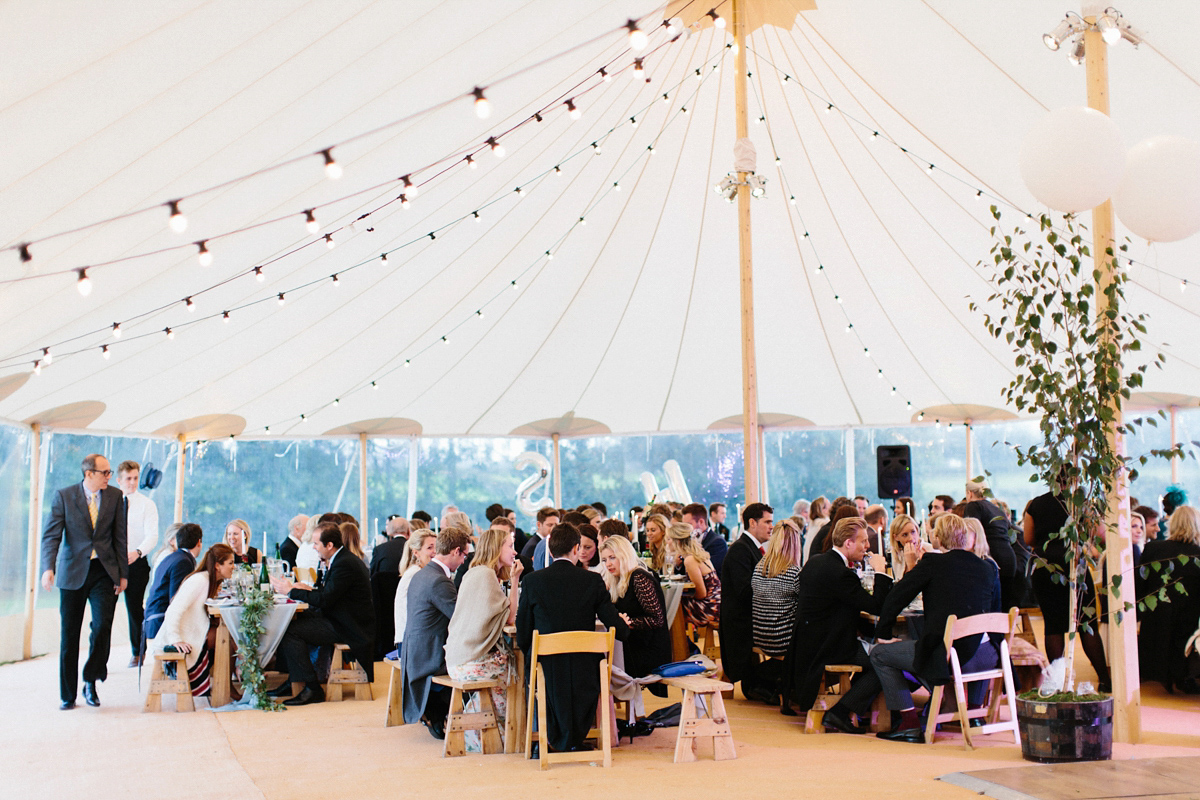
{"points": [[1061, 697]]}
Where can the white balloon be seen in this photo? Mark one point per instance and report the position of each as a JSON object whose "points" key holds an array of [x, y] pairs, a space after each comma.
{"points": [[1159, 198], [1073, 159]]}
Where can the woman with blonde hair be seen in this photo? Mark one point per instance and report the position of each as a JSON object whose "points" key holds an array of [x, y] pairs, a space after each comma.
{"points": [[237, 537], [418, 551], [638, 597], [701, 605], [306, 553], [1166, 628], [775, 585], [907, 547], [656, 540], [475, 646]]}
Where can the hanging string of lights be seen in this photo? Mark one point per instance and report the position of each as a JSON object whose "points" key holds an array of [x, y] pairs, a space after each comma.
{"points": [[334, 279]]}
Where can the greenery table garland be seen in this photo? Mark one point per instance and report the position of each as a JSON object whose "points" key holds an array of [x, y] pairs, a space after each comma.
{"points": [[256, 605]]}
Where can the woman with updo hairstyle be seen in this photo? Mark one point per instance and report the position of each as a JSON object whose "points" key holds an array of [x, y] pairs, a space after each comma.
{"points": [[638, 597], [185, 627], [702, 604], [475, 647], [237, 538]]}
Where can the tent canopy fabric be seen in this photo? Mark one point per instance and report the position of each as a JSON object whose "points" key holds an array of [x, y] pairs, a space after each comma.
{"points": [[602, 296]]}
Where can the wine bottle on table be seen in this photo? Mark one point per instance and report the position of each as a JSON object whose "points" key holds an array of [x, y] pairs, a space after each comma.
{"points": [[264, 580]]}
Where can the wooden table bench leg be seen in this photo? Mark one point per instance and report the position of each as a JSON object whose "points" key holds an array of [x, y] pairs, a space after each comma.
{"points": [[685, 743], [456, 744], [723, 746], [222, 675], [514, 722]]}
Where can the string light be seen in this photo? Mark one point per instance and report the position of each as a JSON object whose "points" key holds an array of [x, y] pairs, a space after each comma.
{"points": [[479, 313], [511, 283], [259, 275], [374, 385], [483, 107], [329, 243], [476, 215], [203, 254], [603, 73], [549, 256], [497, 148], [572, 110], [333, 170], [310, 220], [47, 357], [637, 37], [190, 304], [595, 148], [639, 69], [470, 161], [444, 340], [537, 116], [336, 280], [666, 98], [582, 221], [177, 221], [26, 257], [616, 186], [282, 299], [699, 75], [650, 148], [116, 330], [104, 351], [633, 122], [404, 202], [84, 284], [920, 416], [225, 316], [37, 367], [717, 19], [792, 199], [829, 108], [383, 257], [1183, 285], [336, 401], [170, 333], [520, 192], [557, 171], [407, 361], [410, 188], [683, 109]]}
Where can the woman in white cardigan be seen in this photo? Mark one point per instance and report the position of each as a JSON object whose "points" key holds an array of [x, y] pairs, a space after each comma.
{"points": [[417, 553], [475, 646], [185, 626]]}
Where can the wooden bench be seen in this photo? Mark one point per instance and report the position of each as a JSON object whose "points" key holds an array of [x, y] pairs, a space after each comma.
{"points": [[835, 676], [340, 677], [458, 721], [160, 684], [394, 714], [714, 726]]}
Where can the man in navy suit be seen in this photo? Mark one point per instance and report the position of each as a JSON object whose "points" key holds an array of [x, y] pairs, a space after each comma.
{"points": [[84, 554], [172, 572]]}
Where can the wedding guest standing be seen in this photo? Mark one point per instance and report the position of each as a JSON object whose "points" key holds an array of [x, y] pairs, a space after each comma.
{"points": [[142, 535], [84, 555]]}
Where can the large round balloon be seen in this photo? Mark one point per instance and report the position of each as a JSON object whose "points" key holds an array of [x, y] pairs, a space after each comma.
{"points": [[1159, 198], [1073, 159]]}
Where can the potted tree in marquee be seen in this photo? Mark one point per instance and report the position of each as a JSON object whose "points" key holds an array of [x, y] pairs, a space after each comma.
{"points": [[1071, 374]]}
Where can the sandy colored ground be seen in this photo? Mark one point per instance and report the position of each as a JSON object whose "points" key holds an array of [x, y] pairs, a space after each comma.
{"points": [[343, 750]]}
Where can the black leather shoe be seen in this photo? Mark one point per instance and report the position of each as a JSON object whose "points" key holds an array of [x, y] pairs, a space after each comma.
{"points": [[89, 694], [836, 718], [66, 705], [282, 690], [910, 735], [306, 697], [436, 729]]}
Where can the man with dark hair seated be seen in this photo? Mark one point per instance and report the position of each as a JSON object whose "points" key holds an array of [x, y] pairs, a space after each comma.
{"points": [[173, 570], [338, 612], [560, 598], [696, 515]]}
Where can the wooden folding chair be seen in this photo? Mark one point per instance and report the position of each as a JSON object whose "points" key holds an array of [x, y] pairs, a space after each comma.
{"points": [[553, 644], [305, 575], [977, 625]]}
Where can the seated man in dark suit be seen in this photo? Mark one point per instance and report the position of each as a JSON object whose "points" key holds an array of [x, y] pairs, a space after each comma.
{"points": [[831, 597], [952, 582], [713, 543], [563, 597], [385, 577], [339, 611], [170, 573], [431, 600], [737, 635]]}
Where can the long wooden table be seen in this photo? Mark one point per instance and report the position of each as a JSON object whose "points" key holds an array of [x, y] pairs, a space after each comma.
{"points": [[222, 668]]}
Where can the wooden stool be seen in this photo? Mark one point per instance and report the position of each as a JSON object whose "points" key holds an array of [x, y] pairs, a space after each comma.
{"points": [[1026, 631], [395, 699], [706, 637], [457, 721], [180, 686], [715, 726], [826, 696], [340, 677]]}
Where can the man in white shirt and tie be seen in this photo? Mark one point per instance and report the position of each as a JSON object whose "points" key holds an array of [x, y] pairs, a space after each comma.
{"points": [[142, 527]]}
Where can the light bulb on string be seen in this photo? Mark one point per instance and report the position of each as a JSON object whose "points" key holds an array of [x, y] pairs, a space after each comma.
{"points": [[603, 73], [537, 116], [104, 351], [616, 186], [329, 243], [828, 108], [190, 304], [674, 26], [483, 106], [407, 361], [893, 391], [310, 220], [177, 221], [699, 75], [170, 333], [595, 148], [225, 316], [37, 367], [639, 69], [203, 254], [497, 148], [792, 199], [116, 330], [479, 313], [920, 416], [637, 37], [259, 275], [572, 110], [336, 401], [26, 257], [470, 161], [476, 215], [683, 109], [333, 170], [633, 122], [582, 221], [1183, 285], [404, 202], [666, 98], [383, 257], [717, 19], [336, 280], [444, 340], [282, 299], [374, 385], [84, 283], [47, 357], [520, 192], [410, 188], [513, 284], [650, 149]]}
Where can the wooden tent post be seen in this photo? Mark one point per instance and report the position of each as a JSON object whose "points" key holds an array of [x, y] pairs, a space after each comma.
{"points": [[35, 516], [369, 536], [180, 469], [1122, 628], [557, 474], [414, 451], [1174, 439], [750, 441], [970, 446]]}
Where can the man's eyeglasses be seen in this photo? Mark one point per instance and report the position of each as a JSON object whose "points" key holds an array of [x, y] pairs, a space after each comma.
{"points": [[105, 472]]}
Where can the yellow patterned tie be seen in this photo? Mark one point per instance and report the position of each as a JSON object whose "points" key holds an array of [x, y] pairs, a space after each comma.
{"points": [[94, 510]]}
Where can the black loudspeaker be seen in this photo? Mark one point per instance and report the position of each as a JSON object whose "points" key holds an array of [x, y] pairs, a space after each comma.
{"points": [[893, 470]]}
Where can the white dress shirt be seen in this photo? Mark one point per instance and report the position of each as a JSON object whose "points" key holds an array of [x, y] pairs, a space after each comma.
{"points": [[142, 523]]}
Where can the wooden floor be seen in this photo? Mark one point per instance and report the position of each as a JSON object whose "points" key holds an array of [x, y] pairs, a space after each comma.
{"points": [[1175, 778]]}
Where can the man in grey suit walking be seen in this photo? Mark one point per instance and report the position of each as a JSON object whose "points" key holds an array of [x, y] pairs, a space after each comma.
{"points": [[84, 554]]}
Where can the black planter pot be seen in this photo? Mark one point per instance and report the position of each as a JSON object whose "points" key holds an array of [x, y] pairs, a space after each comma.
{"points": [[1065, 731]]}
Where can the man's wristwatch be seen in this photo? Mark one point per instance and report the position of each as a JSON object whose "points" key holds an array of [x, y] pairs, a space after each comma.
{"points": [[140, 553]]}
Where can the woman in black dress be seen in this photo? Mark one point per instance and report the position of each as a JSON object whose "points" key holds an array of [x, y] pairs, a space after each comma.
{"points": [[1044, 517], [1166, 628], [639, 600], [237, 536]]}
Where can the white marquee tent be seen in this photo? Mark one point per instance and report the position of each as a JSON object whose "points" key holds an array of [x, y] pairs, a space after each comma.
{"points": [[469, 327]]}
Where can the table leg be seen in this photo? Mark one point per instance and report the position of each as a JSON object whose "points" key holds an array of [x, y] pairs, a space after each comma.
{"points": [[514, 722], [221, 672], [679, 645]]}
